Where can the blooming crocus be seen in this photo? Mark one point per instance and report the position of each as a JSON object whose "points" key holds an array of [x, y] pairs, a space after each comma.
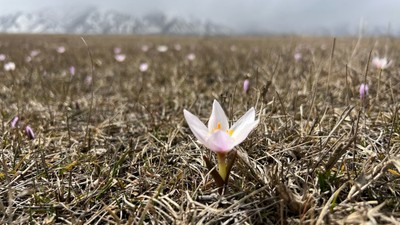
{"points": [[145, 48], [9, 66], [363, 91], [381, 63], [162, 48], [34, 53], [117, 50], [2, 57], [29, 132], [88, 80], [72, 70], [14, 122], [60, 49], [297, 56], [120, 57], [218, 136], [143, 67], [177, 47], [191, 57], [246, 85]]}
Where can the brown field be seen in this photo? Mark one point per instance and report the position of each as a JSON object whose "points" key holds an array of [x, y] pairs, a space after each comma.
{"points": [[112, 147]]}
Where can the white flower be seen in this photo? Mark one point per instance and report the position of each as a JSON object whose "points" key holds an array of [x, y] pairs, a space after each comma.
{"points": [[9, 66], [381, 63], [145, 48], [2, 57], [219, 137], [162, 48], [297, 56], [60, 49], [191, 57], [120, 57], [143, 67]]}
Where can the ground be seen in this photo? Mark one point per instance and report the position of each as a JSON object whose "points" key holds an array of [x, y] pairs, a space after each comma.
{"points": [[111, 144]]}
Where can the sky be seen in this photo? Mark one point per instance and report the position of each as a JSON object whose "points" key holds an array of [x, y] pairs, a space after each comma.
{"points": [[272, 16]]}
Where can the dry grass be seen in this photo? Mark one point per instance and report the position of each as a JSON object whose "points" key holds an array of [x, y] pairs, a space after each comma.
{"points": [[319, 156]]}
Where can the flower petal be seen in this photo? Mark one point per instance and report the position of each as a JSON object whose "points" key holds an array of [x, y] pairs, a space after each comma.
{"points": [[196, 126], [244, 126], [248, 117], [220, 142], [244, 132], [217, 116]]}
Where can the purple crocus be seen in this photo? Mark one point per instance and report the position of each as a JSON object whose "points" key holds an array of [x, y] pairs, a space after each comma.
{"points": [[14, 122], [246, 85], [363, 91], [29, 132], [72, 70]]}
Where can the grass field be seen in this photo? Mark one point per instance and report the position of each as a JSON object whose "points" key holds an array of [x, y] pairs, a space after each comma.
{"points": [[112, 146]]}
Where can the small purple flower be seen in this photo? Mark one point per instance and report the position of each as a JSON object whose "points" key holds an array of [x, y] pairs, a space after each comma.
{"points": [[297, 56], [29, 132], [246, 85], [117, 50], [2, 57], [14, 122], [72, 70], [363, 91]]}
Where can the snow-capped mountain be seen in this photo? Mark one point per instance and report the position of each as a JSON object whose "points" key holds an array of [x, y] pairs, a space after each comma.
{"points": [[95, 21]]}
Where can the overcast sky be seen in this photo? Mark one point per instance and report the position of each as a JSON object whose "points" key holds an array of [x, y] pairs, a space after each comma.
{"points": [[248, 15]]}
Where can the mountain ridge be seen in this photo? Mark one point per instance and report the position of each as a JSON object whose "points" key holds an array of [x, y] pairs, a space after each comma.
{"points": [[91, 20]]}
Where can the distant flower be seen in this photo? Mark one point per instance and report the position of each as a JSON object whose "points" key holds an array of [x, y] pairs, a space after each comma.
{"points": [[143, 67], [14, 122], [162, 48], [117, 50], [178, 47], [219, 137], [72, 70], [233, 48], [9, 66], [145, 48], [2, 57], [246, 85], [363, 91], [88, 80], [35, 53], [191, 57], [381, 63], [29, 132], [297, 56], [60, 49], [120, 57]]}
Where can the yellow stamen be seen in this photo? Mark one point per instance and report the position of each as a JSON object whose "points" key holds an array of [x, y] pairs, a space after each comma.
{"points": [[230, 132], [218, 126]]}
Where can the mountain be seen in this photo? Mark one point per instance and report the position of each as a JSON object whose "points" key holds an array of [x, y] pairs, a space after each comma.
{"points": [[91, 20]]}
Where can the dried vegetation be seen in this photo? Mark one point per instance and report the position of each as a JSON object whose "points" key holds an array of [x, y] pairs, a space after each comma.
{"points": [[112, 146]]}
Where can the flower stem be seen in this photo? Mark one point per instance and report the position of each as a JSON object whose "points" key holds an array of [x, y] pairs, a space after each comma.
{"points": [[222, 165]]}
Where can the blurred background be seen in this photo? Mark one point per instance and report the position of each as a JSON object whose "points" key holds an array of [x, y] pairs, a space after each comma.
{"points": [[202, 17]]}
